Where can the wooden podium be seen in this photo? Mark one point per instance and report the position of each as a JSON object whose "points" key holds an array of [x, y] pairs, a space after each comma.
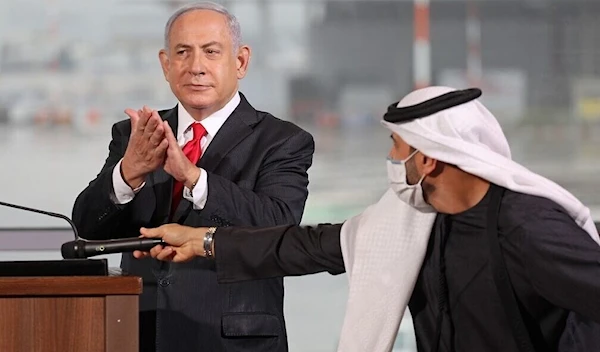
{"points": [[96, 313]]}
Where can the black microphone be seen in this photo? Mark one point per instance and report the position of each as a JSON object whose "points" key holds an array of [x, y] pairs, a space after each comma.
{"points": [[55, 215], [84, 249]]}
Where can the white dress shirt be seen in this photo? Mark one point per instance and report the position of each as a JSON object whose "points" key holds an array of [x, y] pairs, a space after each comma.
{"points": [[123, 194]]}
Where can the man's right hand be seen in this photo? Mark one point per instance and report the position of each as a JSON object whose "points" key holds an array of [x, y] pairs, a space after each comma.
{"points": [[184, 243], [147, 146]]}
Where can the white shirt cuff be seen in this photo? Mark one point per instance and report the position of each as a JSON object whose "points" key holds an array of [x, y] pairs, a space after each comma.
{"points": [[121, 192], [199, 194]]}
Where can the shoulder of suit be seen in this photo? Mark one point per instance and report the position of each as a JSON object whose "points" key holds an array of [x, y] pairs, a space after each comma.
{"points": [[123, 125], [279, 126]]}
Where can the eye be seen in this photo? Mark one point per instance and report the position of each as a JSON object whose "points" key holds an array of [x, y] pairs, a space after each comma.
{"points": [[212, 51], [181, 52]]}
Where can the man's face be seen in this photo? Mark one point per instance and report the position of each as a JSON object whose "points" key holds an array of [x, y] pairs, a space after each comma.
{"points": [[200, 63], [400, 151]]}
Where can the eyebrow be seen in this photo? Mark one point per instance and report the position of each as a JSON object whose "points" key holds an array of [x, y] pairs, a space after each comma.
{"points": [[180, 46], [204, 46], [213, 43]]}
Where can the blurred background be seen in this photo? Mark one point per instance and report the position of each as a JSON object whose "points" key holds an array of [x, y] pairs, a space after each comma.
{"points": [[68, 69]]}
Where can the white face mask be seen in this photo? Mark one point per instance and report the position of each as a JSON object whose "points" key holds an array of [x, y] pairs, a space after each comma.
{"points": [[409, 194]]}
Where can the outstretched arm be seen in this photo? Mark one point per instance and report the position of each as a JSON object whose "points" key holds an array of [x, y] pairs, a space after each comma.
{"points": [[247, 253], [259, 253]]}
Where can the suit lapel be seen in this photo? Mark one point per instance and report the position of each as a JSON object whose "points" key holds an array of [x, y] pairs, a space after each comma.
{"points": [[236, 128], [162, 182]]}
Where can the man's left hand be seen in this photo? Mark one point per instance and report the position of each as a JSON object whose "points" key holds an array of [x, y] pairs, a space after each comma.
{"points": [[176, 163]]}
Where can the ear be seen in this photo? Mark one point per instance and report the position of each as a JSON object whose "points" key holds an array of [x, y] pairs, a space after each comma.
{"points": [[429, 165], [242, 60], [163, 56]]}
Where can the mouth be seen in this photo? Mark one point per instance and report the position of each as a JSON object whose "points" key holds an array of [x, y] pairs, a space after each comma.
{"points": [[198, 87]]}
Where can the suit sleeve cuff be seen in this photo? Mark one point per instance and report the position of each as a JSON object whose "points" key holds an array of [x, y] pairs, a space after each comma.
{"points": [[199, 194], [121, 192], [225, 258]]}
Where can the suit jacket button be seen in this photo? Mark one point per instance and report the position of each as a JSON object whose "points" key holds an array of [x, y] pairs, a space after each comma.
{"points": [[164, 282]]}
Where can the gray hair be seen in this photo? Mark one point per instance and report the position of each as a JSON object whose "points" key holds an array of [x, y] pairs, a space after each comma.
{"points": [[234, 26]]}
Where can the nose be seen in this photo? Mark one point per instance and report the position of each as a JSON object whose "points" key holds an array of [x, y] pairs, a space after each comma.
{"points": [[197, 66], [392, 154]]}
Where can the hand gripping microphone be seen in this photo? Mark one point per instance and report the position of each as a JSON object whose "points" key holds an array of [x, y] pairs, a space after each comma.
{"points": [[83, 248]]}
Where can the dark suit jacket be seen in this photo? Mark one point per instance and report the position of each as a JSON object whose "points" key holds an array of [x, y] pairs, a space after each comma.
{"points": [[257, 175]]}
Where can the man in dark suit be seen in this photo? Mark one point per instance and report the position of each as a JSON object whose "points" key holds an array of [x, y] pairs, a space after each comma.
{"points": [[213, 160]]}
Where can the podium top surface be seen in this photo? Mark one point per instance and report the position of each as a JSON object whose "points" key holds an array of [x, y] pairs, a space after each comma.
{"points": [[70, 285]]}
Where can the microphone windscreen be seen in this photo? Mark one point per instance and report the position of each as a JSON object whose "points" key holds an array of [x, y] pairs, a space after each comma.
{"points": [[69, 250]]}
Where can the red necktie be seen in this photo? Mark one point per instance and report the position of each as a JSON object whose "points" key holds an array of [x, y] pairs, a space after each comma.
{"points": [[193, 151]]}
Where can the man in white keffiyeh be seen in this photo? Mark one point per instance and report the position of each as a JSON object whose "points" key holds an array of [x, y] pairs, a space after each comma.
{"points": [[487, 255]]}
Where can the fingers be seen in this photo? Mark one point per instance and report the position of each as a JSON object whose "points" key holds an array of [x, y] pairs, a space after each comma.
{"points": [[173, 147], [157, 232], [157, 135], [153, 130], [146, 150], [169, 133], [155, 251], [139, 119], [132, 114], [148, 123], [150, 127], [134, 117], [166, 254], [155, 115], [144, 114], [162, 147], [140, 254]]}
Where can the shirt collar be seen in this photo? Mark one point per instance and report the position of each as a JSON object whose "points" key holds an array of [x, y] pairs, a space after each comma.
{"points": [[212, 123]]}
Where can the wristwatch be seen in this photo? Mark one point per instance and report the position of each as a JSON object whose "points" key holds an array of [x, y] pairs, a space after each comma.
{"points": [[208, 241]]}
